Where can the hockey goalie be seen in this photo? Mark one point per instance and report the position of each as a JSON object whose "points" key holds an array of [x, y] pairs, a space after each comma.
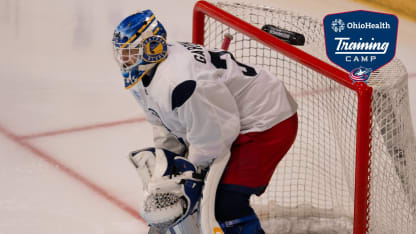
{"points": [[220, 129]]}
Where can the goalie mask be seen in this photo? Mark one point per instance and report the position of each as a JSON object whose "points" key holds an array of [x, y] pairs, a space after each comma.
{"points": [[139, 43], [172, 186]]}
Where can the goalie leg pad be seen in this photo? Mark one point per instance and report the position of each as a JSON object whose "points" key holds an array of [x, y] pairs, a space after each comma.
{"points": [[209, 223], [189, 225]]}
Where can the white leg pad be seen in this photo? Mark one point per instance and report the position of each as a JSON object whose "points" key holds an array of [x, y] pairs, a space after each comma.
{"points": [[188, 225], [209, 224]]}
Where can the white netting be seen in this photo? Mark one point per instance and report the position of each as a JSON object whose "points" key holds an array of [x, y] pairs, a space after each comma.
{"points": [[312, 190]]}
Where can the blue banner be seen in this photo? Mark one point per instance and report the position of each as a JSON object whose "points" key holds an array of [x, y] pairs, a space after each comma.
{"points": [[360, 41]]}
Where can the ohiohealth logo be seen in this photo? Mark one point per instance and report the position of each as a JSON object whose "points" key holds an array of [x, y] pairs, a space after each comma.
{"points": [[338, 25], [360, 41]]}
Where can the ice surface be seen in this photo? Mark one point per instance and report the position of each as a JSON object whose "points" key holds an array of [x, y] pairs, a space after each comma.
{"points": [[57, 73]]}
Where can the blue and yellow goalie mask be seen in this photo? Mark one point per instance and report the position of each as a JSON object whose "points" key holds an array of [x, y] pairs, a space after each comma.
{"points": [[139, 43]]}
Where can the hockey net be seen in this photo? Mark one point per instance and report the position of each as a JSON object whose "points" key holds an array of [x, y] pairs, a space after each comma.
{"points": [[352, 167]]}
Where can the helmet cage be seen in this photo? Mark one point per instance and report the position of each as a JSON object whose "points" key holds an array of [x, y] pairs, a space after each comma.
{"points": [[145, 54], [128, 56]]}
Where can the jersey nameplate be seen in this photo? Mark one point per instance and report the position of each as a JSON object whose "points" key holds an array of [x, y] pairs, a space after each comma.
{"points": [[196, 50]]}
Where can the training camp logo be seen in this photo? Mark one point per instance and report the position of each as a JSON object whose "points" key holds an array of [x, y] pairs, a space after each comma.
{"points": [[360, 41]]}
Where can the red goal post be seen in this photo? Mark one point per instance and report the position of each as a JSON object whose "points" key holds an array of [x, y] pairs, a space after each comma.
{"points": [[204, 9]]}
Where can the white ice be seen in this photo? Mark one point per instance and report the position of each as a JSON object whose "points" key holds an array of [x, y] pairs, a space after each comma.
{"points": [[57, 73]]}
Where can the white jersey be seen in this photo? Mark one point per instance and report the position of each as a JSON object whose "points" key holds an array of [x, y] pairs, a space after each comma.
{"points": [[207, 99]]}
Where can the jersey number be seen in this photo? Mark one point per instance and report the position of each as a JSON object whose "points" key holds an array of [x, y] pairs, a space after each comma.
{"points": [[220, 63]]}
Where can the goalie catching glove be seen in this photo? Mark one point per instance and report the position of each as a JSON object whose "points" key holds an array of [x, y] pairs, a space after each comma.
{"points": [[172, 186]]}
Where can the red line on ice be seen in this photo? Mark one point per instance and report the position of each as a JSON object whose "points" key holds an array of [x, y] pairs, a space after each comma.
{"points": [[79, 129], [70, 172]]}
